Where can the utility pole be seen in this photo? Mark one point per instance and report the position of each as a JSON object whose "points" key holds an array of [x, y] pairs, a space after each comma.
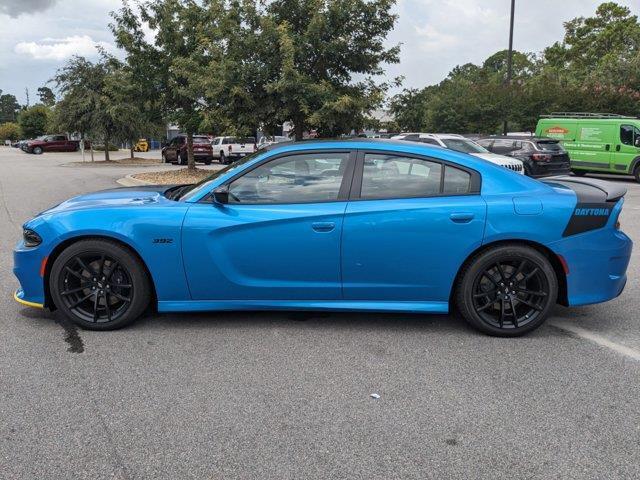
{"points": [[509, 59]]}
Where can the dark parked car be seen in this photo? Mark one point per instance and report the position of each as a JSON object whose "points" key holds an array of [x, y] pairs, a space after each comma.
{"points": [[176, 150], [52, 143], [541, 156]]}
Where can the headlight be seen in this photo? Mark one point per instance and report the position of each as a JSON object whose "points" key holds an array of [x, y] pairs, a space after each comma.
{"points": [[31, 238]]}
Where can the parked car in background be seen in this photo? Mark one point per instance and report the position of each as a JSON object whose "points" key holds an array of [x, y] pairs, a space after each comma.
{"points": [[227, 149], [176, 150], [541, 156], [596, 142], [52, 143], [266, 141], [459, 143]]}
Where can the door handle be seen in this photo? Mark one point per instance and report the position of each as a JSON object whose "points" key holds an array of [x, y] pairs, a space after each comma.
{"points": [[461, 217], [323, 226], [617, 148], [607, 147]]}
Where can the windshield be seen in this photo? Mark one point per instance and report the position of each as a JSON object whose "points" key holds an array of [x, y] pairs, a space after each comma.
{"points": [[550, 145], [463, 145], [189, 191]]}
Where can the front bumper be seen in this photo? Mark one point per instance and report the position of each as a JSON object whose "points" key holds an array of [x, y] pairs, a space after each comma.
{"points": [[27, 267]]}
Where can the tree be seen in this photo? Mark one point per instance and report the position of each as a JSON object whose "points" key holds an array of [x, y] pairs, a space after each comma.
{"points": [[46, 96], [99, 100], [322, 45], [9, 107], [171, 67], [34, 120], [10, 131]]}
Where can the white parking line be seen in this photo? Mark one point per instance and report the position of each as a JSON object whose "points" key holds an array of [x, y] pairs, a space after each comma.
{"points": [[595, 338]]}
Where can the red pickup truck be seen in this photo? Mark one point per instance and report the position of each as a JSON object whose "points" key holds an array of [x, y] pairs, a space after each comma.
{"points": [[52, 143]]}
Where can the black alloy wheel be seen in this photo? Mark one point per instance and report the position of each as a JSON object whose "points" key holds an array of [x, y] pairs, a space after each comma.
{"points": [[96, 288], [508, 291], [99, 284]]}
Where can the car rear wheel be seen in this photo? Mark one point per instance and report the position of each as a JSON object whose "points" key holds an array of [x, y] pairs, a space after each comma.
{"points": [[507, 291], [207, 161], [99, 285], [223, 158], [37, 150], [182, 159], [636, 174], [579, 173]]}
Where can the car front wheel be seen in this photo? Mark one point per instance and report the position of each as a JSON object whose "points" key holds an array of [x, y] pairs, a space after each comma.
{"points": [[37, 150], [507, 291], [99, 285]]}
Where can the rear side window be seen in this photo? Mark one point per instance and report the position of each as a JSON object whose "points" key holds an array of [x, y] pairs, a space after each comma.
{"points": [[456, 181], [393, 176], [503, 146]]}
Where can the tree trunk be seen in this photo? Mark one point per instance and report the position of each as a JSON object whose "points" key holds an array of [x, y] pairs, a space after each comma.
{"points": [[298, 129], [106, 149], [191, 161], [131, 150]]}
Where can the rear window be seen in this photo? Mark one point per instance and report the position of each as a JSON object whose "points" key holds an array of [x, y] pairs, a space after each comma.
{"points": [[246, 140], [552, 146], [200, 139]]}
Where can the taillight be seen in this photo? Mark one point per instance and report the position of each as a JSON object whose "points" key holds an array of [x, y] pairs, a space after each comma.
{"points": [[541, 157]]}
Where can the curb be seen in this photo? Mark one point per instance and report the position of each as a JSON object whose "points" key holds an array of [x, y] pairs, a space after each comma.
{"points": [[130, 181]]}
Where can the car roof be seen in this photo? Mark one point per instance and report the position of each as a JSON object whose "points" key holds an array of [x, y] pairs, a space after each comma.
{"points": [[435, 135], [336, 142], [518, 137]]}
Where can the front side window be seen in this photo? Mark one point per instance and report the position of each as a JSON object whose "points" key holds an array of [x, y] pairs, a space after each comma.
{"points": [[303, 178], [630, 135]]}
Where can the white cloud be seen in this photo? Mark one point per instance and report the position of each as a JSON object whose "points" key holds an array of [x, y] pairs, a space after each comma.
{"points": [[62, 48]]}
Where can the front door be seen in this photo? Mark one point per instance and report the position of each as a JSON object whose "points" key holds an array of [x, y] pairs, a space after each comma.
{"points": [[414, 222], [627, 147], [277, 238]]}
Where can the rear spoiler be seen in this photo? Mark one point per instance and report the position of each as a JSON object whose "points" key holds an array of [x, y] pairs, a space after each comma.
{"points": [[590, 190]]}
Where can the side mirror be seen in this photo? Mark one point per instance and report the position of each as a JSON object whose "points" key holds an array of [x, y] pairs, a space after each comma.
{"points": [[221, 195]]}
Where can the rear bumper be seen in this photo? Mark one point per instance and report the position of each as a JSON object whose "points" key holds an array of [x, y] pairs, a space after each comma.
{"points": [[597, 262]]}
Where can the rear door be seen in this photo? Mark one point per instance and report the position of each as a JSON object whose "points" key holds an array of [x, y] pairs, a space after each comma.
{"points": [[627, 147], [278, 237], [410, 223]]}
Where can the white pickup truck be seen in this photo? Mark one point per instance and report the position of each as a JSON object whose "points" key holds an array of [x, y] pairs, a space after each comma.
{"points": [[227, 149]]}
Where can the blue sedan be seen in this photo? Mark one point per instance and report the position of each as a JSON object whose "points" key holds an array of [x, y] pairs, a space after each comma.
{"points": [[370, 225]]}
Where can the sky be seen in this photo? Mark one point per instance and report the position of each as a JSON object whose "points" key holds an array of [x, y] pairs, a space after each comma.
{"points": [[38, 36]]}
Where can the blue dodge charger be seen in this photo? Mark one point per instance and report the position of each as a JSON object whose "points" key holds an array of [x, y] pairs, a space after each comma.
{"points": [[370, 225]]}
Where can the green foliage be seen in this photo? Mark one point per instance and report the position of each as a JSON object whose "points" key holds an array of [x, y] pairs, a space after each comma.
{"points": [[101, 100], [595, 68], [10, 131], [34, 121], [46, 96], [9, 107]]}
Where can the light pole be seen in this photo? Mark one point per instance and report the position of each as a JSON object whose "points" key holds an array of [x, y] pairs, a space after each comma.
{"points": [[509, 58]]}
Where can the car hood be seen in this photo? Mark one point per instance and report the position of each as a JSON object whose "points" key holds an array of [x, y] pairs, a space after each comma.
{"points": [[499, 159], [125, 196]]}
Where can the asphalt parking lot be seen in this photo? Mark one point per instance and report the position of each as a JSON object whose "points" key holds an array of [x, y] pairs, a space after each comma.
{"points": [[287, 396]]}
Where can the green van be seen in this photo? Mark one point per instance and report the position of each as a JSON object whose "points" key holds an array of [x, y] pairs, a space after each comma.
{"points": [[596, 142]]}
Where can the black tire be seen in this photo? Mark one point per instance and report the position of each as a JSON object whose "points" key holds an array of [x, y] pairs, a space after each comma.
{"points": [[37, 150], [579, 173], [636, 173], [223, 158], [164, 158], [99, 285], [506, 279], [182, 159], [207, 161]]}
